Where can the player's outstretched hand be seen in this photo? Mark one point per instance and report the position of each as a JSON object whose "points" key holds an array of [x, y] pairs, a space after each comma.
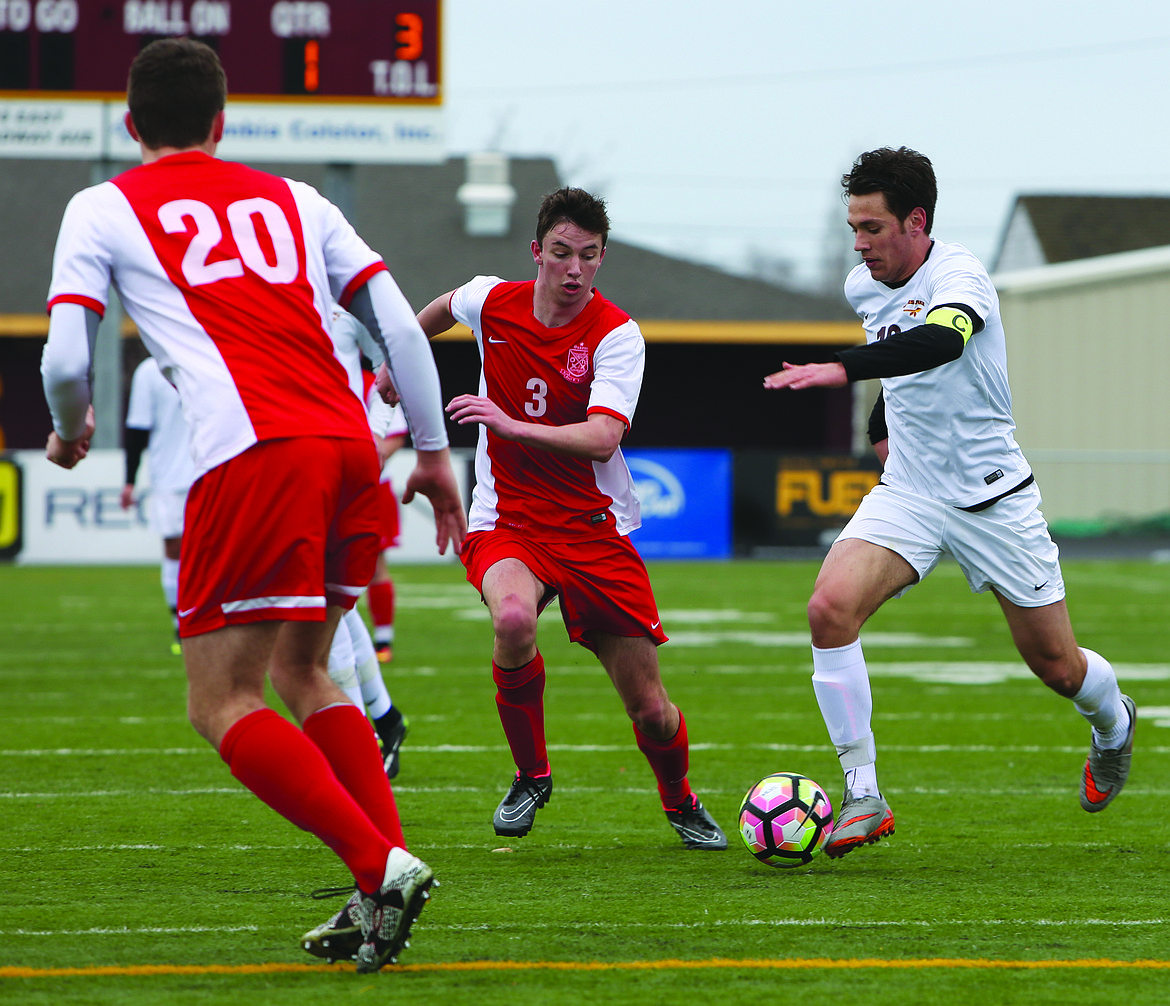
{"points": [[67, 453], [385, 386], [808, 375], [434, 478], [477, 409]]}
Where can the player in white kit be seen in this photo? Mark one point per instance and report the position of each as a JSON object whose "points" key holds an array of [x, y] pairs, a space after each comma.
{"points": [[155, 423], [954, 482], [230, 273]]}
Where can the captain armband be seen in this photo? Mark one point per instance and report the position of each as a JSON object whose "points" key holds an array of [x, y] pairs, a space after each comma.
{"points": [[952, 317]]}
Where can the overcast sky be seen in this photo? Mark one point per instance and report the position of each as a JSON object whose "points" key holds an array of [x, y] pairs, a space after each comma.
{"points": [[719, 131]]}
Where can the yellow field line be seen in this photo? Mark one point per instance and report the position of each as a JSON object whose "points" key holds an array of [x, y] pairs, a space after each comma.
{"points": [[785, 964]]}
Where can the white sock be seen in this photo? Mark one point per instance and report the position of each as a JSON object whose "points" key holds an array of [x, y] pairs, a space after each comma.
{"points": [[373, 689], [841, 684], [359, 637], [1099, 702], [862, 781], [375, 698], [342, 671]]}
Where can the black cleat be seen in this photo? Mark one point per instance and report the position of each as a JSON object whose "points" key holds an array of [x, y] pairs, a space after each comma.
{"points": [[695, 826], [387, 915], [340, 938], [517, 811], [391, 734]]}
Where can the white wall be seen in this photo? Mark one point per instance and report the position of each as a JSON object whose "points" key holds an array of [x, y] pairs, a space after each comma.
{"points": [[1089, 360]]}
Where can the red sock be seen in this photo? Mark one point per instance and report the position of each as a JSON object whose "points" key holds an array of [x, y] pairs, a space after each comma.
{"points": [[520, 703], [347, 741], [286, 770], [670, 761], [381, 600]]}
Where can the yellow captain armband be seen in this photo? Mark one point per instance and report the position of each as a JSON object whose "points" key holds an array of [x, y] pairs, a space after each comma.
{"points": [[952, 317]]}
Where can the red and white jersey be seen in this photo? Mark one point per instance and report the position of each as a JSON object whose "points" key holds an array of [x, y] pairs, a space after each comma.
{"points": [[249, 349], [555, 377]]}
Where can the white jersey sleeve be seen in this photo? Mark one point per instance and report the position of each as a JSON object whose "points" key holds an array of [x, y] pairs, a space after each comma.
{"points": [[66, 362], [467, 302], [618, 366], [346, 259]]}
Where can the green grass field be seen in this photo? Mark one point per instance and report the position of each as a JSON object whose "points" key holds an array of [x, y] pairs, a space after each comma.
{"points": [[126, 844]]}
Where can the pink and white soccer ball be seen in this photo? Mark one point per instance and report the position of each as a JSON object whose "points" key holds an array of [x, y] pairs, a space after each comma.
{"points": [[785, 819]]}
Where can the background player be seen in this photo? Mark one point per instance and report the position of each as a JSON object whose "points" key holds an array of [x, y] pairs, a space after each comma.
{"points": [[388, 425], [155, 423], [554, 501], [354, 668], [226, 269], [955, 481], [390, 435], [353, 658]]}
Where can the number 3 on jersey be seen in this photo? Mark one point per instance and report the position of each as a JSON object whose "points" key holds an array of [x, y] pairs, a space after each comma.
{"points": [[538, 406], [242, 218]]}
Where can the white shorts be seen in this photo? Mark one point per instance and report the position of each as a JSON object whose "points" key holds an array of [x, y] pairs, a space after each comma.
{"points": [[1007, 546], [166, 511]]}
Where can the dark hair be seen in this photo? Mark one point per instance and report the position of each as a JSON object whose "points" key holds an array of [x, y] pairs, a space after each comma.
{"points": [[175, 89], [575, 206], [904, 176]]}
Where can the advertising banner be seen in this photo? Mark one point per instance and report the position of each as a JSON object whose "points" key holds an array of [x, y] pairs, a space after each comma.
{"points": [[785, 500], [75, 517], [686, 502], [254, 132]]}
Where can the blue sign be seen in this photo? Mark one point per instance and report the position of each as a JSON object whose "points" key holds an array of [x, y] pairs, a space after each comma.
{"points": [[686, 502]]}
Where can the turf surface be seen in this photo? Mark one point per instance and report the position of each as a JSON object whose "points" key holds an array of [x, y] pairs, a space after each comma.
{"points": [[127, 844]]}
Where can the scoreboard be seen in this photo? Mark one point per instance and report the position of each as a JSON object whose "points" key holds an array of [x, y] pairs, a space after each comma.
{"points": [[354, 51]]}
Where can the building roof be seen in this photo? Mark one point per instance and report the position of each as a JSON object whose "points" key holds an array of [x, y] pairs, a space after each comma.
{"points": [[1045, 229], [410, 214]]}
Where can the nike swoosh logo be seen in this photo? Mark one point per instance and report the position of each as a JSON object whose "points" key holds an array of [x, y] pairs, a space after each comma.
{"points": [[490, 339], [656, 624], [1093, 794], [1042, 586], [520, 811], [698, 836], [184, 614]]}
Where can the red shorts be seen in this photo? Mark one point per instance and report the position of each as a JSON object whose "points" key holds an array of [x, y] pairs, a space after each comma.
{"points": [[388, 507], [602, 584], [279, 532]]}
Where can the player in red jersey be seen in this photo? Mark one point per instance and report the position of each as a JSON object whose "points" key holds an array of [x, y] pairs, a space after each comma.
{"points": [[229, 274], [554, 501]]}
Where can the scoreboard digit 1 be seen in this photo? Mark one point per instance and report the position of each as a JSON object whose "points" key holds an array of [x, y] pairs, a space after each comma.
{"points": [[384, 51]]}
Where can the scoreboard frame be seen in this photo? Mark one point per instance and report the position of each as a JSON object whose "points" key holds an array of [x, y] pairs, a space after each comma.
{"points": [[386, 52]]}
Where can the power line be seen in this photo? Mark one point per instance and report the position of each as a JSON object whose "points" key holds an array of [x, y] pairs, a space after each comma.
{"points": [[870, 70]]}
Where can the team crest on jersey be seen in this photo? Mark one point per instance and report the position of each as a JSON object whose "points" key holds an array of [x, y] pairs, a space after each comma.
{"points": [[577, 365], [914, 308]]}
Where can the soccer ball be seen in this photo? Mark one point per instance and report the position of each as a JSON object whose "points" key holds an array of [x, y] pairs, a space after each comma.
{"points": [[785, 819]]}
